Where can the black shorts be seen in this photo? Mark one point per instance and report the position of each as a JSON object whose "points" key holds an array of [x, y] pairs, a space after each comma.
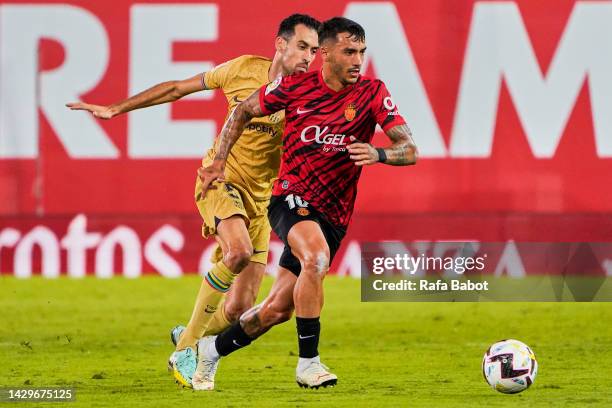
{"points": [[287, 210]]}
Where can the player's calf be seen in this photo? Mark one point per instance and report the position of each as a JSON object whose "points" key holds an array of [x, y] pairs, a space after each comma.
{"points": [[259, 319], [238, 305]]}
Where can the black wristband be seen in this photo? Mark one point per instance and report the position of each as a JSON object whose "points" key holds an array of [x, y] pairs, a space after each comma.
{"points": [[382, 156]]}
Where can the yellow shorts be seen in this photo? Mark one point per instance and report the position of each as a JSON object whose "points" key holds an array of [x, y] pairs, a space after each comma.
{"points": [[228, 200]]}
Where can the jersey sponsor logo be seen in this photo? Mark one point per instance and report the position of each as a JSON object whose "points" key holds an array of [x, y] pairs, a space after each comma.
{"points": [[350, 112], [261, 128], [388, 103], [321, 136], [390, 106], [273, 85]]}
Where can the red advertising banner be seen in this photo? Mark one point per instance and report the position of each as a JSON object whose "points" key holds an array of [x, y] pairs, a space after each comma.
{"points": [[171, 246]]}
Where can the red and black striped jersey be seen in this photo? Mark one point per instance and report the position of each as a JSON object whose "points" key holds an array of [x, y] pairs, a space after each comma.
{"points": [[319, 124]]}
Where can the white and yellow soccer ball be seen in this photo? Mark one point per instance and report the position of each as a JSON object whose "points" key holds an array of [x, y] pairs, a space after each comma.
{"points": [[509, 366]]}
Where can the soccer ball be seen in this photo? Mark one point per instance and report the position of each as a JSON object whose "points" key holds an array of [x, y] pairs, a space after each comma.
{"points": [[509, 366]]}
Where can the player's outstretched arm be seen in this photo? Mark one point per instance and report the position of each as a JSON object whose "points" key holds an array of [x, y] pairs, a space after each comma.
{"points": [[164, 92], [402, 152], [234, 125]]}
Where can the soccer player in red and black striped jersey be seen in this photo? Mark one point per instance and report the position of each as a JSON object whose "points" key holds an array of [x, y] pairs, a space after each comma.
{"points": [[331, 116]]}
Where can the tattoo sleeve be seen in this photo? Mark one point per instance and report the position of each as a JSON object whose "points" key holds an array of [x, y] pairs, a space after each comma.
{"points": [[233, 127], [251, 324], [403, 150]]}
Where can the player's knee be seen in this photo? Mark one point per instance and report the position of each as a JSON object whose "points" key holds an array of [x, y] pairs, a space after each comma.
{"points": [[237, 257], [315, 262]]}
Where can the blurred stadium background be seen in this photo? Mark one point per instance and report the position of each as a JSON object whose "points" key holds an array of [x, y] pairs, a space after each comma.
{"points": [[510, 103], [511, 106]]}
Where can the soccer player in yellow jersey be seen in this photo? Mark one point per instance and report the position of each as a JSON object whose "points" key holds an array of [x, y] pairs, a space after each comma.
{"points": [[234, 211]]}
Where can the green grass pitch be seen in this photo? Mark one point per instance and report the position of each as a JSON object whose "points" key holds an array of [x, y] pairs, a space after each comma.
{"points": [[109, 339]]}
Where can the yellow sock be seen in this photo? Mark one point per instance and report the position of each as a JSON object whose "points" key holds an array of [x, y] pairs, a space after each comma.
{"points": [[212, 291], [219, 321]]}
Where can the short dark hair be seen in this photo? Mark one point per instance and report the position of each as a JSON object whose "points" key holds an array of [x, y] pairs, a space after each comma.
{"points": [[336, 25], [286, 29]]}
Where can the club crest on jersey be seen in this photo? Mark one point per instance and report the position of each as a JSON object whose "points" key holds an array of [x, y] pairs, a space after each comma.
{"points": [[273, 85], [303, 211], [350, 112]]}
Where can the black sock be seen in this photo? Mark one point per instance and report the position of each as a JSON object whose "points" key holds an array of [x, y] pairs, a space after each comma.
{"points": [[232, 339], [308, 329]]}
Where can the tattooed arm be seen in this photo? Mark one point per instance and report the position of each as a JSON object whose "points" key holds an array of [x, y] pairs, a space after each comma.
{"points": [[231, 131], [402, 152]]}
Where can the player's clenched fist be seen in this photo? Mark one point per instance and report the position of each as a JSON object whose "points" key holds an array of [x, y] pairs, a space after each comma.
{"points": [[208, 175], [363, 153], [99, 111]]}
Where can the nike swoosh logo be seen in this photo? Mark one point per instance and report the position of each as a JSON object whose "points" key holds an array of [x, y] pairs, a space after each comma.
{"points": [[300, 111], [236, 343], [305, 337], [257, 252], [235, 99]]}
